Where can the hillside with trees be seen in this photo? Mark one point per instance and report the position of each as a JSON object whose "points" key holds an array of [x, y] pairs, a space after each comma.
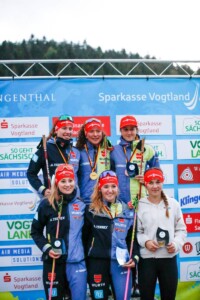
{"points": [[49, 50]]}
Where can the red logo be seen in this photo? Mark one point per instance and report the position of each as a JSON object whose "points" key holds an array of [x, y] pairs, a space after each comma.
{"points": [[192, 221], [4, 124], [97, 278], [7, 278], [138, 155], [103, 153], [188, 174], [50, 275], [73, 154], [187, 247], [79, 121], [121, 220], [75, 206]]}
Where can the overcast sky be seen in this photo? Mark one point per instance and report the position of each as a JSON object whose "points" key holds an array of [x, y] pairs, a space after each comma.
{"points": [[166, 29]]}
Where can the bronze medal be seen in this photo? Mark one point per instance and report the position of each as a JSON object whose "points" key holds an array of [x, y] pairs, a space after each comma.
{"points": [[93, 175]]}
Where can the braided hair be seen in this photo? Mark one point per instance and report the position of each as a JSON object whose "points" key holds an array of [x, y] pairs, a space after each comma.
{"points": [[163, 195]]}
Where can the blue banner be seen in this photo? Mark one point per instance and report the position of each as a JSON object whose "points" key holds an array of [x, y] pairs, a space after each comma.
{"points": [[168, 113]]}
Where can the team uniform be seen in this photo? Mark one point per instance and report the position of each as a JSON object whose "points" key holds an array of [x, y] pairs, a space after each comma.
{"points": [[70, 231], [123, 152], [57, 151], [159, 264], [103, 233], [102, 158]]}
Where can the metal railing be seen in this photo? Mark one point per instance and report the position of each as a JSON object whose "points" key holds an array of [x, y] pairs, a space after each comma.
{"points": [[98, 68]]}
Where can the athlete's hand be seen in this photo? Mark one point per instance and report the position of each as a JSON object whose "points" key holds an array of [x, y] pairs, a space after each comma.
{"points": [[140, 178], [152, 245], [53, 254], [171, 248], [47, 193], [129, 264]]}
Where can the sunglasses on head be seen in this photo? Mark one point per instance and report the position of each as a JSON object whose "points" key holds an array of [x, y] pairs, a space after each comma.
{"points": [[107, 173], [64, 167], [65, 118], [92, 120]]}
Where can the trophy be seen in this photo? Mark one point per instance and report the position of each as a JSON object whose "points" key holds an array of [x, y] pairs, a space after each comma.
{"points": [[162, 237], [57, 245], [132, 169]]}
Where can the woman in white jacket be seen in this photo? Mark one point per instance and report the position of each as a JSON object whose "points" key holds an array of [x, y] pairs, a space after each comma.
{"points": [[161, 232]]}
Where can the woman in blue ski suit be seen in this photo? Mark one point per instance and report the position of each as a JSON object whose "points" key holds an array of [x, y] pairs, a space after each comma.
{"points": [[107, 236], [60, 150], [62, 216], [94, 156]]}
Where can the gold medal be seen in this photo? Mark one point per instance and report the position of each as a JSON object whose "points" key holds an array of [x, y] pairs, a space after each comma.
{"points": [[93, 175]]}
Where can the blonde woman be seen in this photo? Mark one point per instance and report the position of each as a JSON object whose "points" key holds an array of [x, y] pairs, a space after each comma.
{"points": [[107, 234], [62, 216]]}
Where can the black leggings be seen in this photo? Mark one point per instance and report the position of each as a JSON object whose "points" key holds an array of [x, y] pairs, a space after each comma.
{"points": [[163, 269]]}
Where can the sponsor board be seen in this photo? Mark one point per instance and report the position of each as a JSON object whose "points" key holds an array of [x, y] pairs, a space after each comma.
{"points": [[164, 148], [17, 152], [169, 192], [79, 121], [15, 178], [11, 204], [168, 172], [192, 221], [188, 149], [15, 230], [190, 271], [188, 125], [191, 247], [189, 198], [189, 173], [20, 256], [26, 280], [147, 126], [24, 127]]}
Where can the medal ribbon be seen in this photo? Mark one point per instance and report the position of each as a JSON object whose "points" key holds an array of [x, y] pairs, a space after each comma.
{"points": [[124, 148], [115, 209], [95, 159], [68, 155], [107, 210]]}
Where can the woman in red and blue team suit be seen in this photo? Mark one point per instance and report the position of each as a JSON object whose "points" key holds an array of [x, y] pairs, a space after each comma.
{"points": [[62, 215], [59, 150], [108, 231], [94, 156], [126, 162], [127, 154]]}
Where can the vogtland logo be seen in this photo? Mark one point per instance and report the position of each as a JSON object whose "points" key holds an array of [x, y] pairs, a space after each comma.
{"points": [[170, 96], [193, 102]]}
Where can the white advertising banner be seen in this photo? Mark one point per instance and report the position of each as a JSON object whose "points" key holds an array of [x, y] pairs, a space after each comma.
{"points": [[12, 204], [29, 255], [15, 230], [188, 125], [24, 127], [168, 171], [190, 271], [164, 148], [188, 149], [169, 192], [189, 198], [17, 152], [21, 281], [150, 125], [191, 247]]}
